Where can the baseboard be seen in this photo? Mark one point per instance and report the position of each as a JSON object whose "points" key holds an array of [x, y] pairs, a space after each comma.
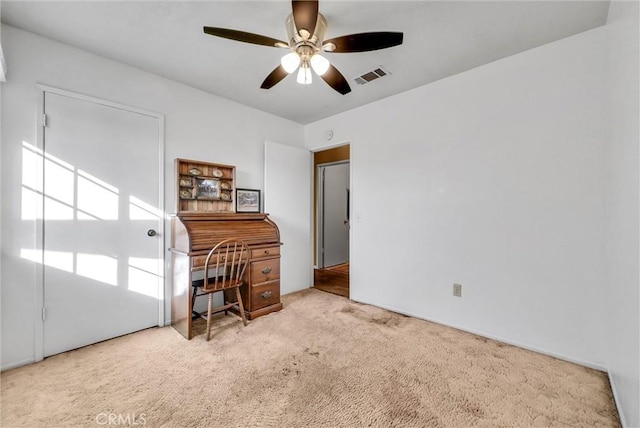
{"points": [[623, 421], [589, 364], [17, 364]]}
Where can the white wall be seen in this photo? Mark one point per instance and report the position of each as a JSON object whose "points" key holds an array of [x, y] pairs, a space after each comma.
{"points": [[3, 68], [494, 179], [198, 126], [623, 281]]}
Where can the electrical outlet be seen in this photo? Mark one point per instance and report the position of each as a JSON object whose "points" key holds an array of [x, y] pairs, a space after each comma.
{"points": [[457, 290]]}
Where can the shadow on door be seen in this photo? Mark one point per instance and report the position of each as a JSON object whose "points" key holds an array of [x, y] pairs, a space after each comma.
{"points": [[331, 232]]}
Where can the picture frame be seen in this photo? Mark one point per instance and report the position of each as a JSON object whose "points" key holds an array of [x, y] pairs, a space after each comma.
{"points": [[208, 188], [247, 200]]}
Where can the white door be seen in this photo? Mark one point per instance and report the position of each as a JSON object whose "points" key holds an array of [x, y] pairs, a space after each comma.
{"points": [[101, 188], [334, 214], [287, 198]]}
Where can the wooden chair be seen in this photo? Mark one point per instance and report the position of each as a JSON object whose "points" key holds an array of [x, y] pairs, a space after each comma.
{"points": [[223, 270]]}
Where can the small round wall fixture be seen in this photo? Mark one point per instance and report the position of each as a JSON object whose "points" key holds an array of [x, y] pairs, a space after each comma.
{"points": [[328, 135]]}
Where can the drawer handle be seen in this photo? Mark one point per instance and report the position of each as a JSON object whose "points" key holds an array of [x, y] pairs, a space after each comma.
{"points": [[266, 295], [266, 270], [266, 251]]}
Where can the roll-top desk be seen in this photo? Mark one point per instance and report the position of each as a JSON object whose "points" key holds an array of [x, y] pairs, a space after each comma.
{"points": [[194, 234]]}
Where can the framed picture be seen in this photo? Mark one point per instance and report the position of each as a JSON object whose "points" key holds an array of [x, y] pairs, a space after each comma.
{"points": [[208, 189], [247, 201]]}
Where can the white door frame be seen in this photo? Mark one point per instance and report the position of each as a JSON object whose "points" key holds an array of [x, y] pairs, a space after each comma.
{"points": [[320, 210], [39, 245]]}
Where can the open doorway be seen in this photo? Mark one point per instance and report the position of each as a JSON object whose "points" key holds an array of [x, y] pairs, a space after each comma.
{"points": [[331, 232]]}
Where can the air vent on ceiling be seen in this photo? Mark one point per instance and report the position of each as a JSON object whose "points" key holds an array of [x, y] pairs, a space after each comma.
{"points": [[371, 76]]}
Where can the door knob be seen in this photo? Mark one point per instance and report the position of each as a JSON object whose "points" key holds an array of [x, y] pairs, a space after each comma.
{"points": [[151, 232]]}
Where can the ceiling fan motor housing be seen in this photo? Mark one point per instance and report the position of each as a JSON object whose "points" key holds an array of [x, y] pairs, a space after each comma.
{"points": [[311, 45]]}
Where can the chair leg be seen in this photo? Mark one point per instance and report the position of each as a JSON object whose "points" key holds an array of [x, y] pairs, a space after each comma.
{"points": [[209, 309], [244, 317], [193, 300]]}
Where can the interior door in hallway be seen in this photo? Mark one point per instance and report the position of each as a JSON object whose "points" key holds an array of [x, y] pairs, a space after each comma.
{"points": [[102, 255], [334, 196]]}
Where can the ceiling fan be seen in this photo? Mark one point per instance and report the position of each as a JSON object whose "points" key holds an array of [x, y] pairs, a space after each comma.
{"points": [[306, 30]]}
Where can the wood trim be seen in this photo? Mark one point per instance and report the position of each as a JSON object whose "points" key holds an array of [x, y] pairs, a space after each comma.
{"points": [[200, 216], [199, 161], [264, 311], [332, 155]]}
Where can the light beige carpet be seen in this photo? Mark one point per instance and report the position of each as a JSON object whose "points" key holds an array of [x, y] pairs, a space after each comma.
{"points": [[320, 362]]}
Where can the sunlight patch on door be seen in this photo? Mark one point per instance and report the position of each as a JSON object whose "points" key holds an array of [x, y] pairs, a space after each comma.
{"points": [[96, 198], [62, 260], [54, 210], [143, 276], [59, 181], [69, 196], [99, 267], [140, 210]]}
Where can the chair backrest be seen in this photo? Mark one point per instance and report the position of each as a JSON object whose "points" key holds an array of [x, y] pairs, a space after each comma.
{"points": [[227, 262]]}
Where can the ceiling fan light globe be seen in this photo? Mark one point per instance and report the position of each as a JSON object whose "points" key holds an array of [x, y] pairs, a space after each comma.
{"points": [[304, 76], [320, 64], [290, 62]]}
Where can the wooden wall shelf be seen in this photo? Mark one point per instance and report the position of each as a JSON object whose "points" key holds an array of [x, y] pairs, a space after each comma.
{"points": [[204, 186]]}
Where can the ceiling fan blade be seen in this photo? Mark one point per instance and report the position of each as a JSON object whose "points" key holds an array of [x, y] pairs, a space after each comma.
{"points": [[243, 36], [364, 42], [274, 77], [336, 80], [305, 15]]}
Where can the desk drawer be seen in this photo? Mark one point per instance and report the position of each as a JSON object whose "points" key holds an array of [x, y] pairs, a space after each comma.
{"points": [[265, 270], [265, 295], [199, 261], [258, 253]]}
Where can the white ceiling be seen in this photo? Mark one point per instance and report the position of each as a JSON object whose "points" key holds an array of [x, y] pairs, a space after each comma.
{"points": [[441, 38]]}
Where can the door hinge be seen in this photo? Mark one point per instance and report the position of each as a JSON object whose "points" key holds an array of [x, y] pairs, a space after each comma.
{"points": [[44, 313], [44, 120]]}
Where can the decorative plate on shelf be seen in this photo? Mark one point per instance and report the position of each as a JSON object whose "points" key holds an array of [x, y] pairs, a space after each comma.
{"points": [[186, 182], [225, 186], [195, 171], [185, 194], [225, 196], [217, 173]]}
